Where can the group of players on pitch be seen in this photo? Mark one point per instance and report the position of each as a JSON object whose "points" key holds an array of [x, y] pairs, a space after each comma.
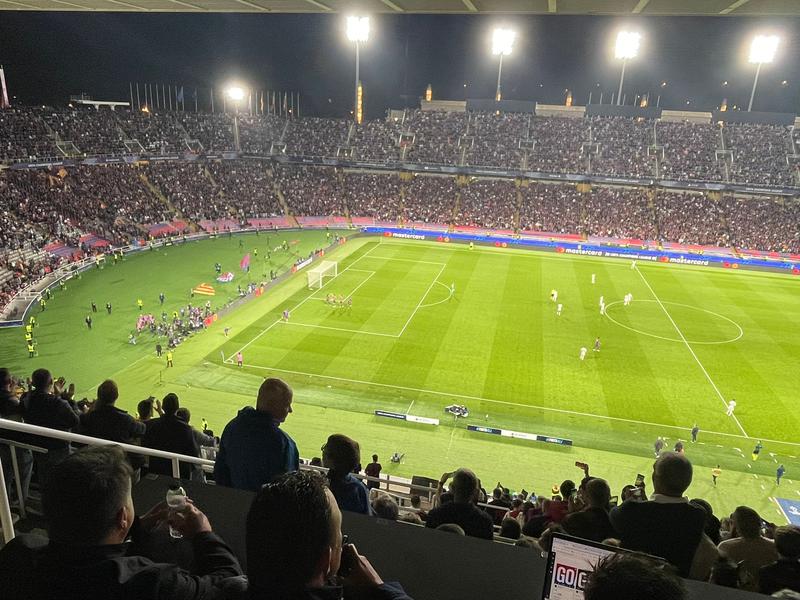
{"points": [[626, 301], [339, 301]]}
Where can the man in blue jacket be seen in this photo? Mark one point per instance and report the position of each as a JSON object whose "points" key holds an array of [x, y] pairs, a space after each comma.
{"points": [[253, 449]]}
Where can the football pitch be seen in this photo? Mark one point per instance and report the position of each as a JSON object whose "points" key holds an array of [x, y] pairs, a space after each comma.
{"points": [[425, 325]]}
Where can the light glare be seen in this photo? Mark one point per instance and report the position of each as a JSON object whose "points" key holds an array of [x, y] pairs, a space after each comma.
{"points": [[627, 44], [502, 41], [358, 29], [763, 48], [235, 93]]}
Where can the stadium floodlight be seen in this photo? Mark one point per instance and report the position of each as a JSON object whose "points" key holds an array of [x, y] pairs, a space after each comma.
{"points": [[627, 47], [502, 43], [236, 94], [358, 32], [762, 50]]}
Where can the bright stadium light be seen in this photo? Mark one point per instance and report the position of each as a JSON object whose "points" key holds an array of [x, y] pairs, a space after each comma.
{"points": [[762, 51], [502, 43], [358, 32], [626, 48], [236, 94]]}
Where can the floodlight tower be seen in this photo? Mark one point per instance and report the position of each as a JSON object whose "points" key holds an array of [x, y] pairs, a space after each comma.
{"points": [[358, 32], [502, 42], [627, 47], [762, 50], [237, 95]]}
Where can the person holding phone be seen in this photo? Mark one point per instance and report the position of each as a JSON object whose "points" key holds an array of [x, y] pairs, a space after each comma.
{"points": [[296, 550]]}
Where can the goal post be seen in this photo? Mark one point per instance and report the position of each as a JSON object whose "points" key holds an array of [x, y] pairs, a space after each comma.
{"points": [[317, 275]]}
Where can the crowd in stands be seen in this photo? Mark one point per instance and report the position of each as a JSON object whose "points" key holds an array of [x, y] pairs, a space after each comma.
{"points": [[312, 191], [621, 146], [430, 200], [375, 196], [557, 145], [759, 154], [294, 544], [620, 213], [489, 203], [689, 150]]}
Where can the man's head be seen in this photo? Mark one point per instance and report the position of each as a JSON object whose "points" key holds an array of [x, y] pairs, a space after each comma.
{"points": [[465, 486], [416, 501], [597, 493], [170, 404], [510, 528], [5, 379], [341, 454], [87, 498], [628, 576], [107, 393], [42, 380], [145, 409], [672, 474], [787, 541], [374, 458], [385, 507], [293, 533], [183, 414], [566, 488], [275, 399], [747, 522]]}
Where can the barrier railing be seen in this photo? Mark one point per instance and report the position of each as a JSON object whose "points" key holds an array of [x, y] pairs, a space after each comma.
{"points": [[406, 488]]}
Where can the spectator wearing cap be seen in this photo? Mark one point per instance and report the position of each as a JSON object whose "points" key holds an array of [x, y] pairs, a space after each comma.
{"points": [[253, 448], [748, 547], [341, 456], [462, 510], [170, 434]]}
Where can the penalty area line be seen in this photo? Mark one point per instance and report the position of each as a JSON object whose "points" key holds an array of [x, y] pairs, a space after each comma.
{"points": [[691, 350], [504, 402]]}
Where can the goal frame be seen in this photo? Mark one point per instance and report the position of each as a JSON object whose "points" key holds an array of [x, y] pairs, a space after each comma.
{"points": [[316, 276]]}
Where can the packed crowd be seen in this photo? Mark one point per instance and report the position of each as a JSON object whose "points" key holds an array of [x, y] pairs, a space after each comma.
{"points": [[621, 213], [293, 533], [429, 200], [311, 191], [757, 154], [376, 196], [489, 203]]}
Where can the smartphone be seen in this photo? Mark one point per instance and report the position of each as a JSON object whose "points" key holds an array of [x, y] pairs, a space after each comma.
{"points": [[348, 560], [639, 480], [582, 465], [614, 501]]}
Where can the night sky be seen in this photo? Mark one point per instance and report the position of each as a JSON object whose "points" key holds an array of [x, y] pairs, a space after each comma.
{"points": [[48, 56]]}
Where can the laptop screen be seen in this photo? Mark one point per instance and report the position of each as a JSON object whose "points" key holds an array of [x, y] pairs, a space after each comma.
{"points": [[568, 565]]}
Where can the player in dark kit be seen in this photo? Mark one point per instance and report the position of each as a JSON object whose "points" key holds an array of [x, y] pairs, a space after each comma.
{"points": [[108, 307], [88, 320]]}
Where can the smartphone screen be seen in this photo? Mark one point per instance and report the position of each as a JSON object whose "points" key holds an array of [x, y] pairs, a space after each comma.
{"points": [[639, 480]]}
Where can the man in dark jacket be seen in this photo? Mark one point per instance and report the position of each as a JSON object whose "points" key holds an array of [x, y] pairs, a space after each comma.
{"points": [[667, 525], [295, 547], [57, 410], [462, 511], [592, 523], [341, 455], [253, 449], [171, 434], [785, 572], [89, 512], [11, 409]]}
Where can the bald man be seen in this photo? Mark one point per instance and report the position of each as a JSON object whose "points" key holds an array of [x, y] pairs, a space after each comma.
{"points": [[253, 449], [667, 525]]}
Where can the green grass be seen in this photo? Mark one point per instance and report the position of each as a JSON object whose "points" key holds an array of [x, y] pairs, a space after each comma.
{"points": [[496, 346]]}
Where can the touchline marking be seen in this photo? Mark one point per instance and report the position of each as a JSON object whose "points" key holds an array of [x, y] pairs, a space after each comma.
{"points": [[691, 350], [422, 262], [504, 402], [409, 407]]}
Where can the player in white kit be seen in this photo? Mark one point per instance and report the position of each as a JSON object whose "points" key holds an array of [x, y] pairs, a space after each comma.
{"points": [[583, 353], [594, 278], [553, 295], [558, 310], [731, 408]]}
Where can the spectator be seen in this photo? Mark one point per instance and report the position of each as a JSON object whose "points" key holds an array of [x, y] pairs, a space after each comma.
{"points": [[105, 421], [593, 522], [712, 528], [11, 409], [200, 438], [170, 434], [341, 456], [295, 546], [90, 515], [462, 511], [373, 470], [626, 576], [385, 507], [667, 525], [785, 572], [748, 547], [725, 572], [501, 502], [253, 449], [146, 407], [510, 528], [56, 411], [416, 503]]}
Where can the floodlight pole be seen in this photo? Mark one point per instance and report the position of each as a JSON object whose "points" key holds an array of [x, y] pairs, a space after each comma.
{"points": [[621, 80], [499, 75], [755, 83], [355, 96]]}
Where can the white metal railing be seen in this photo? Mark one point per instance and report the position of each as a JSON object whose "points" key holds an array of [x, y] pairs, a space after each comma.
{"points": [[406, 488]]}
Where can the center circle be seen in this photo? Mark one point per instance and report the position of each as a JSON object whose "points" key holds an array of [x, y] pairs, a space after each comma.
{"points": [[676, 339]]}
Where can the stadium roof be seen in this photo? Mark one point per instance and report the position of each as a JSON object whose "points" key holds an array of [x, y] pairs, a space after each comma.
{"points": [[533, 7]]}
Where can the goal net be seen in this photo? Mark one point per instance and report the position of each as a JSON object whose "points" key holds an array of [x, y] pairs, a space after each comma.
{"points": [[317, 275]]}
